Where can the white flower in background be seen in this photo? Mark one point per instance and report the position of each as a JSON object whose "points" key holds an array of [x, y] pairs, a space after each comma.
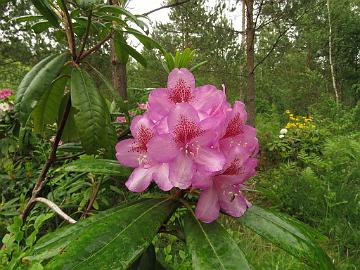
{"points": [[283, 131], [281, 136], [5, 107]]}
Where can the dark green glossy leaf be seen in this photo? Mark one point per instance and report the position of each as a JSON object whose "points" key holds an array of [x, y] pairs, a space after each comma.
{"points": [[117, 239], [121, 54], [148, 42], [46, 10], [98, 166], [286, 235], [147, 261], [36, 83], [211, 246], [92, 117], [40, 27], [70, 133], [120, 11], [28, 18], [54, 242], [46, 112], [123, 50], [70, 147]]}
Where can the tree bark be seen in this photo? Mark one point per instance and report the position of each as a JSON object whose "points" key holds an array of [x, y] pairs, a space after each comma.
{"points": [[250, 55], [331, 61], [118, 70]]}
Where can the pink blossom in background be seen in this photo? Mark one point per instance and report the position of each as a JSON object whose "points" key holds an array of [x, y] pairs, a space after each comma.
{"points": [[191, 137], [121, 119], [131, 113], [143, 106], [52, 140], [4, 93]]}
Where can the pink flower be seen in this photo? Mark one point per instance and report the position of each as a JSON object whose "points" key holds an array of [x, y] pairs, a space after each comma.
{"points": [[4, 93], [224, 188], [191, 137], [142, 106], [207, 100], [131, 113], [188, 146], [52, 139], [121, 119], [134, 153]]}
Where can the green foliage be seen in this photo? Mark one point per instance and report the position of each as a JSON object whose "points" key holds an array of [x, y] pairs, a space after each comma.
{"points": [[211, 247]]}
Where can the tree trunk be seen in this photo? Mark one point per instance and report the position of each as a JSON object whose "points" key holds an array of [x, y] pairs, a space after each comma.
{"points": [[250, 54], [118, 70], [331, 61]]}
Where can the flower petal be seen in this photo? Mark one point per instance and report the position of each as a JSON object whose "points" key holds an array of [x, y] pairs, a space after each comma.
{"points": [[125, 154], [181, 74], [181, 171], [202, 179], [161, 177], [211, 160], [208, 99], [162, 148], [208, 207], [231, 199], [182, 111], [139, 180], [159, 104], [141, 122]]}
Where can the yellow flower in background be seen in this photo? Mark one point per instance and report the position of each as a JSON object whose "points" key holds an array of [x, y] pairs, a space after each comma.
{"points": [[299, 121], [287, 111]]}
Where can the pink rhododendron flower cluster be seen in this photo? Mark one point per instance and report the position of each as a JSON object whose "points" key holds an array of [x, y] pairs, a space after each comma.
{"points": [[4, 93], [191, 138], [121, 119]]}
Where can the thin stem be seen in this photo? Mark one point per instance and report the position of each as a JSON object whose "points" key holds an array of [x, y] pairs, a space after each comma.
{"points": [[93, 198], [86, 35], [56, 209], [69, 31], [97, 46], [42, 179]]}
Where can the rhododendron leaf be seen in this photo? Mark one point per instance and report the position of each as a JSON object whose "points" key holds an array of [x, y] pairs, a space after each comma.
{"points": [[45, 9], [28, 18], [36, 83], [46, 112], [294, 239], [198, 65], [40, 27], [147, 261], [92, 117], [211, 246], [54, 242], [117, 239], [70, 133], [117, 10], [148, 42], [123, 50], [98, 166]]}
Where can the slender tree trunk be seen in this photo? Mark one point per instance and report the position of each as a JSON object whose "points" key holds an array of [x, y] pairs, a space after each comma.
{"points": [[242, 43], [118, 70], [250, 55], [331, 61]]}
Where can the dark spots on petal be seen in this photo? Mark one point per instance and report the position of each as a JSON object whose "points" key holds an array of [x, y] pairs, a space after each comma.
{"points": [[186, 130], [181, 92], [234, 127], [144, 135]]}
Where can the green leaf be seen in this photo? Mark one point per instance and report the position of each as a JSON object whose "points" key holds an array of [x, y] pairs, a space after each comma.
{"points": [[98, 166], [40, 27], [70, 147], [287, 236], [211, 246], [117, 239], [70, 133], [47, 110], [36, 83], [45, 9], [147, 261], [198, 65], [148, 42], [122, 49], [92, 117], [121, 54], [28, 18], [54, 242]]}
